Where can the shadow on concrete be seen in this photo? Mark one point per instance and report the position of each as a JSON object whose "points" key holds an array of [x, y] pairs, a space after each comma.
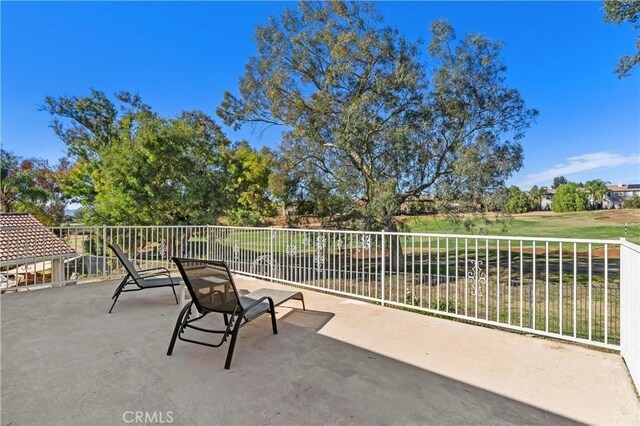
{"points": [[66, 361]]}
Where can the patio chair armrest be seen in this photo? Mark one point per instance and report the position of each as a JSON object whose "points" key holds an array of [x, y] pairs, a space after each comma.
{"points": [[149, 272], [155, 272]]}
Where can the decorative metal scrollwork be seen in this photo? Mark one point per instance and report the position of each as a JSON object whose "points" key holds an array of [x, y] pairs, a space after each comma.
{"points": [[266, 265], [236, 250], [364, 242], [291, 250], [321, 242], [319, 255], [162, 249], [477, 277]]}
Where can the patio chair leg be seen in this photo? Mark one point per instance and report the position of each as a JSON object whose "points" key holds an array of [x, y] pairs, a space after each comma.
{"points": [[273, 316], [226, 319], [116, 299], [118, 291], [174, 293], [184, 313], [120, 287], [232, 344]]}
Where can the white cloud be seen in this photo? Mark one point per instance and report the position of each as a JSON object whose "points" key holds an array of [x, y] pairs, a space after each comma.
{"points": [[577, 164]]}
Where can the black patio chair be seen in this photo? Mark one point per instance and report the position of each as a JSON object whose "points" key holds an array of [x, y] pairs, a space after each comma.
{"points": [[142, 278], [213, 290]]}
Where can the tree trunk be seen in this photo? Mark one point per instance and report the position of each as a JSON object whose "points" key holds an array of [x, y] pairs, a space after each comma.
{"points": [[396, 252]]}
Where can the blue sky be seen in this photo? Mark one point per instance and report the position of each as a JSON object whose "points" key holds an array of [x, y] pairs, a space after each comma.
{"points": [[179, 56]]}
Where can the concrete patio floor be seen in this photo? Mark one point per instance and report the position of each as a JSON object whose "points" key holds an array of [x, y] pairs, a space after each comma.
{"points": [[64, 360]]}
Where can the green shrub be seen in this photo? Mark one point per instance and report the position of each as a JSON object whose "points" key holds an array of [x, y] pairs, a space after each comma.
{"points": [[632, 203], [241, 217], [568, 198]]}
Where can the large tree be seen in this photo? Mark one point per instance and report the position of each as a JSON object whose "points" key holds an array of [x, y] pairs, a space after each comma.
{"points": [[536, 194], [134, 167], [30, 185], [596, 189], [617, 12], [366, 126], [557, 181], [247, 187]]}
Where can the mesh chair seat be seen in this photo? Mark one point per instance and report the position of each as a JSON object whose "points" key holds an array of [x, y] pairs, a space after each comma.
{"points": [[278, 297]]}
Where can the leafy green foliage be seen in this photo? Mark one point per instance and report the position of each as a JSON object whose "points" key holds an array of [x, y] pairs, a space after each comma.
{"points": [[30, 185], [632, 203], [557, 181], [596, 189], [517, 201], [618, 12], [367, 127], [248, 172], [535, 196], [135, 167], [569, 198]]}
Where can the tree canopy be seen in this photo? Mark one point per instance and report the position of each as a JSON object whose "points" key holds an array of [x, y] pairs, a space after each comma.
{"points": [[618, 12], [558, 180], [31, 185], [132, 166], [517, 201], [247, 188], [535, 194], [367, 125], [596, 189], [569, 198]]}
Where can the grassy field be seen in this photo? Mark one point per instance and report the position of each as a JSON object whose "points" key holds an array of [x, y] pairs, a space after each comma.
{"points": [[608, 224]]}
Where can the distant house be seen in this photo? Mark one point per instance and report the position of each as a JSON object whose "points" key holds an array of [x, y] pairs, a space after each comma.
{"points": [[617, 194], [613, 199], [28, 250]]}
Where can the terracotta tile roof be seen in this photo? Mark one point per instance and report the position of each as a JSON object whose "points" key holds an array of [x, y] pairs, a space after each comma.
{"points": [[23, 237]]}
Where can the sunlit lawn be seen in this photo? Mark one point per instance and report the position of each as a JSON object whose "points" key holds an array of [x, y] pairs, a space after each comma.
{"points": [[602, 224]]}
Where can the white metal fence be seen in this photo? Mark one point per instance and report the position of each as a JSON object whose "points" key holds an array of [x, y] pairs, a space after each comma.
{"points": [[563, 288], [630, 308], [147, 246]]}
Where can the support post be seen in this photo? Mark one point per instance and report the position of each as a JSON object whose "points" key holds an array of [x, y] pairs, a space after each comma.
{"points": [[271, 255], [104, 251], [384, 250]]}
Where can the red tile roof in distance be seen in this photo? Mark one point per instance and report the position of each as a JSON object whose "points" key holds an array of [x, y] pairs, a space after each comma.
{"points": [[22, 237]]}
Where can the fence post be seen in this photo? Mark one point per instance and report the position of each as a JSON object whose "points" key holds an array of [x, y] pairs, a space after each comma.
{"points": [[104, 251], [383, 265], [271, 254], [630, 308]]}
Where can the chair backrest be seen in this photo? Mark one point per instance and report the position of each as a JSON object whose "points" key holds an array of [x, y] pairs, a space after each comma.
{"points": [[125, 261], [210, 285]]}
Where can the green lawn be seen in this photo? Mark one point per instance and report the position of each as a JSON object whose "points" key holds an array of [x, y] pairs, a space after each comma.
{"points": [[607, 224]]}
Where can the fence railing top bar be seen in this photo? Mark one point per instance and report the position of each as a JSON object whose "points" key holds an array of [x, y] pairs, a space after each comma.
{"points": [[508, 238], [335, 231], [250, 228], [630, 245], [124, 226], [433, 235]]}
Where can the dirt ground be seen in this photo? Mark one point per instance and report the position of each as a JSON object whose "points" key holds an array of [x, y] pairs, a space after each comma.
{"points": [[614, 216]]}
